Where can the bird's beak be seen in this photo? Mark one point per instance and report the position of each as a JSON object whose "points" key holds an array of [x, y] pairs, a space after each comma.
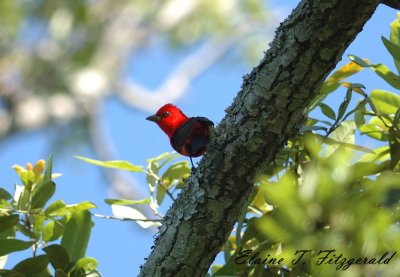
{"points": [[154, 118]]}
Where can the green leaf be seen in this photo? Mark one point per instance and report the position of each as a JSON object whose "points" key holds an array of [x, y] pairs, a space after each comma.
{"points": [[153, 168], [84, 205], [27, 178], [57, 208], [393, 48], [133, 214], [12, 245], [228, 269], [327, 111], [151, 176], [176, 171], [333, 82], [11, 273], [380, 154], [343, 106], [4, 194], [359, 61], [58, 256], [38, 224], [167, 156], [86, 263], [385, 101], [359, 114], [8, 221], [344, 133], [42, 192], [127, 202], [173, 175], [32, 266], [161, 191], [374, 131], [76, 234], [386, 74], [124, 165], [395, 37], [394, 143], [48, 170], [53, 230], [21, 198], [336, 144]]}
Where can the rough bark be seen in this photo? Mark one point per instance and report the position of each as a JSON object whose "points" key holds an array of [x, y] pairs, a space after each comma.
{"points": [[395, 4], [267, 111]]}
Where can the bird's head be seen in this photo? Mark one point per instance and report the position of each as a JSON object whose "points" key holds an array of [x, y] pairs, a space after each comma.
{"points": [[168, 117]]}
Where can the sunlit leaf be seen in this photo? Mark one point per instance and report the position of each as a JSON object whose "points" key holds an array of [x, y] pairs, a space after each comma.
{"points": [[176, 171], [86, 263], [38, 224], [395, 37], [53, 230], [359, 61], [123, 165], [127, 201], [343, 134], [374, 131], [394, 49], [386, 74], [41, 193], [48, 170], [381, 154], [385, 101], [333, 82], [21, 198], [82, 206], [76, 234], [57, 208]]}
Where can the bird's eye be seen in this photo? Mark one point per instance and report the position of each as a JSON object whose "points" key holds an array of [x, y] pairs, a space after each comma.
{"points": [[166, 114]]}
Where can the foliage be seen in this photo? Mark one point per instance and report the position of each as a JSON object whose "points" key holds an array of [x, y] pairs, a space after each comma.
{"points": [[160, 183], [325, 196], [57, 233], [326, 193]]}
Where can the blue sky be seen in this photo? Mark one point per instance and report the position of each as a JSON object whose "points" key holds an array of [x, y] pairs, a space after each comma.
{"points": [[120, 247]]}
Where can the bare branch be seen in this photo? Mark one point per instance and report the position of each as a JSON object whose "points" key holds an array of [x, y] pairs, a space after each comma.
{"points": [[179, 80], [121, 183], [395, 4]]}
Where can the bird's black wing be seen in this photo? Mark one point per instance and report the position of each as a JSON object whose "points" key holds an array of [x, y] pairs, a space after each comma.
{"points": [[182, 133]]}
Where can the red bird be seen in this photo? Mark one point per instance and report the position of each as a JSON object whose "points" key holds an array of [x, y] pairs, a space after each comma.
{"points": [[189, 136]]}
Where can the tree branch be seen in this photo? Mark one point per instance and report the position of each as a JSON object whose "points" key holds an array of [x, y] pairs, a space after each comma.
{"points": [[178, 82], [265, 114], [395, 4]]}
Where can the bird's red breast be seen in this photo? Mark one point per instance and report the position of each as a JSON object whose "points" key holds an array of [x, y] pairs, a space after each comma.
{"points": [[188, 136]]}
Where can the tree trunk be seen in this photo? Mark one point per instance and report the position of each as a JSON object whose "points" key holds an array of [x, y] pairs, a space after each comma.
{"points": [[267, 111]]}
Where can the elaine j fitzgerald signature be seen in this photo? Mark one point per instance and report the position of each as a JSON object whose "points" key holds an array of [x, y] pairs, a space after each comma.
{"points": [[324, 257]]}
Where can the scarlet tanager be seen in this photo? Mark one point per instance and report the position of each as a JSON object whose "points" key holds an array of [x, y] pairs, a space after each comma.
{"points": [[189, 136]]}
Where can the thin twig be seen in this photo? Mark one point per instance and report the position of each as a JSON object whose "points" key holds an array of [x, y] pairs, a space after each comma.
{"points": [[125, 219]]}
